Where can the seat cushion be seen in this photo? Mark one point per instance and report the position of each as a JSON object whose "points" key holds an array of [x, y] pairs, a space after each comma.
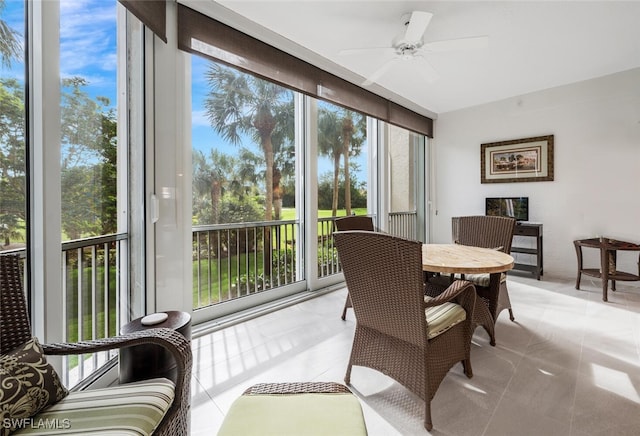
{"points": [[442, 317], [129, 409], [29, 384], [481, 279], [309, 414]]}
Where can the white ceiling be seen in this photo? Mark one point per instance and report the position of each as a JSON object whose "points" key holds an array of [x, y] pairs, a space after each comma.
{"points": [[532, 45]]}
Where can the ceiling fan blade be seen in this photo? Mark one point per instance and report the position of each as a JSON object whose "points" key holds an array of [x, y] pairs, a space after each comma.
{"points": [[367, 50], [425, 69], [475, 42], [380, 71], [417, 25]]}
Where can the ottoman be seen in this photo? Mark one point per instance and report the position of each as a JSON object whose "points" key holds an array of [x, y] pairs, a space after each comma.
{"points": [[309, 409]]}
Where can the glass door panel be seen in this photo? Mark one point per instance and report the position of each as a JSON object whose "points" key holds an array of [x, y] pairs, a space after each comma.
{"points": [[246, 220], [342, 173]]}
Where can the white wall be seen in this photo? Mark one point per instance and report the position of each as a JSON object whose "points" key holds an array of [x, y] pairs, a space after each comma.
{"points": [[596, 191]]}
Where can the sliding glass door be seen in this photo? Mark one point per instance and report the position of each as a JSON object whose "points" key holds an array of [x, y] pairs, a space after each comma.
{"points": [[271, 171]]}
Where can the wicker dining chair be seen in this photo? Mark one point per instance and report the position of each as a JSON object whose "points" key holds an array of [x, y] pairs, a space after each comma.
{"points": [[353, 222], [488, 232], [15, 331], [409, 337]]}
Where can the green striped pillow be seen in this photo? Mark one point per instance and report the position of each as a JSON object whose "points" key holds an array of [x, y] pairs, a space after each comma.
{"points": [[481, 279], [129, 409]]}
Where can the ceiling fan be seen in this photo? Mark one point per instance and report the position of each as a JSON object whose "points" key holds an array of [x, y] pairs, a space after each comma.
{"points": [[409, 45]]}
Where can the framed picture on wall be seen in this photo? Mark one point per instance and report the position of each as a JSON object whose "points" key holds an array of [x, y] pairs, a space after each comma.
{"points": [[518, 160]]}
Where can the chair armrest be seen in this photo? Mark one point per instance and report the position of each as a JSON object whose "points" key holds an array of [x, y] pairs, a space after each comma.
{"points": [[462, 292], [174, 342], [176, 420]]}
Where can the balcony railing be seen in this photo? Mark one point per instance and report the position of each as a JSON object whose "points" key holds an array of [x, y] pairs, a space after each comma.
{"points": [[228, 262], [403, 224], [91, 289], [92, 292], [235, 260]]}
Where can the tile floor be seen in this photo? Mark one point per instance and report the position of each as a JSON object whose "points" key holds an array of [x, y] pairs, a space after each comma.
{"points": [[569, 365]]}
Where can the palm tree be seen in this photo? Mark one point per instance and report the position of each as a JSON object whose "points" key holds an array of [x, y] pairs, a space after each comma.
{"points": [[241, 105], [211, 175], [283, 169], [329, 145], [353, 135], [10, 47], [341, 134]]}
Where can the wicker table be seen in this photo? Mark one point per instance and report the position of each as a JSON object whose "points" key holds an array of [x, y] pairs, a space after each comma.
{"points": [[149, 361], [607, 271]]}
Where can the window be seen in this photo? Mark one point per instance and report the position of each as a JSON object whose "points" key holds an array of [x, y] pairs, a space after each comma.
{"points": [[89, 170], [60, 172], [13, 197], [245, 215]]}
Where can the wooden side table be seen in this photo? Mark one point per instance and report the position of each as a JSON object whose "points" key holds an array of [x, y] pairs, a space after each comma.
{"points": [[608, 254], [148, 361]]}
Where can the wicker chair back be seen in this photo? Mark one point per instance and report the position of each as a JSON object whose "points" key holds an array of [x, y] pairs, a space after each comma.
{"points": [[384, 278]]}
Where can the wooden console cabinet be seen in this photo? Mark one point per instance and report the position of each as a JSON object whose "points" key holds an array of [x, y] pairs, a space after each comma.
{"points": [[531, 231]]}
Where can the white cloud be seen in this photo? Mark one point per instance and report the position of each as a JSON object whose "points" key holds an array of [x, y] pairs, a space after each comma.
{"points": [[199, 118], [87, 37]]}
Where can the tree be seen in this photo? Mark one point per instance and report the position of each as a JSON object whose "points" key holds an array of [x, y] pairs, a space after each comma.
{"points": [[341, 133], [239, 104], [284, 159], [12, 159], [211, 174], [251, 167], [326, 188], [353, 135], [88, 162], [329, 145], [10, 47], [109, 173], [9, 226]]}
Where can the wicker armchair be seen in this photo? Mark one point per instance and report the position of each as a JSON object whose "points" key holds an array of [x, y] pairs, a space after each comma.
{"points": [[353, 222], [487, 232], [15, 330], [397, 330]]}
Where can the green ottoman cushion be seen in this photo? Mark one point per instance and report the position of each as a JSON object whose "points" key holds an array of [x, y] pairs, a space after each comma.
{"points": [[309, 414]]}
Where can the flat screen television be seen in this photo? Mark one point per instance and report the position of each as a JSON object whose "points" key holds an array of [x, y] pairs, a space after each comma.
{"points": [[514, 207]]}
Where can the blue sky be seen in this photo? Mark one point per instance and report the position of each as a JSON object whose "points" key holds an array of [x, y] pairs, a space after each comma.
{"points": [[88, 49], [87, 43]]}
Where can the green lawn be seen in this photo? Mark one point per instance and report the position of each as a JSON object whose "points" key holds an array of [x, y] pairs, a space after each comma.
{"points": [[210, 292], [290, 213]]}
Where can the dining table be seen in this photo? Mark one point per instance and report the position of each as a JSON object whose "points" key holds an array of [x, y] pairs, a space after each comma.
{"points": [[465, 259]]}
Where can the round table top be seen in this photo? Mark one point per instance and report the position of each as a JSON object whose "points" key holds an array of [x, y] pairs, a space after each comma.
{"points": [[463, 259], [608, 243], [176, 320]]}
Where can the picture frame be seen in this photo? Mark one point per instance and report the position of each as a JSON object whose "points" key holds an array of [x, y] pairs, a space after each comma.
{"points": [[518, 160]]}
